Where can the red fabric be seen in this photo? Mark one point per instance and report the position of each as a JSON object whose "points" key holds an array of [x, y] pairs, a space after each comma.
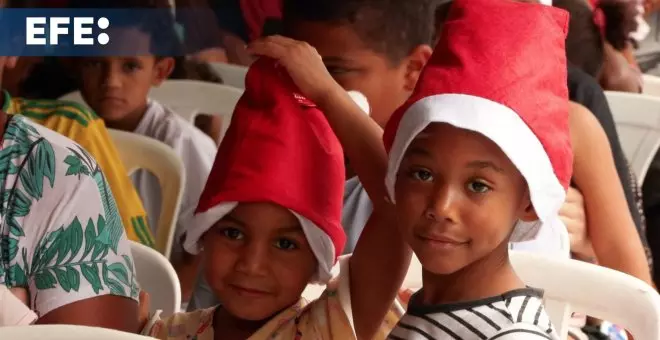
{"points": [[280, 148], [504, 61], [255, 13]]}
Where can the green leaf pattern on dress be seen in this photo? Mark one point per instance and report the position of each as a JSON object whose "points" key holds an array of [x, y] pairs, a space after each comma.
{"points": [[73, 253]]}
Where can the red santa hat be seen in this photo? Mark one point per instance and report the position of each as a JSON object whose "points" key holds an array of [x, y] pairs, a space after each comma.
{"points": [[500, 70], [279, 148]]}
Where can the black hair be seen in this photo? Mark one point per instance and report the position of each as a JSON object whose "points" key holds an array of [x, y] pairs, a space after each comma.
{"points": [[584, 43], [391, 27], [441, 15], [152, 17]]}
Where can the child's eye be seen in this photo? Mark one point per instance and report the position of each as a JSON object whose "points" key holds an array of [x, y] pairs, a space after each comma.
{"points": [[131, 67], [421, 175], [233, 234], [285, 244], [337, 71], [478, 187]]}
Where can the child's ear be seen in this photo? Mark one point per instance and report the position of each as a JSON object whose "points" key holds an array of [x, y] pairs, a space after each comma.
{"points": [[164, 68], [416, 61], [528, 213]]}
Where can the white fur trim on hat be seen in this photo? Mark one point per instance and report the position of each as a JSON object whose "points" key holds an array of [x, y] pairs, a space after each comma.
{"points": [[501, 125], [319, 241], [551, 241], [546, 2]]}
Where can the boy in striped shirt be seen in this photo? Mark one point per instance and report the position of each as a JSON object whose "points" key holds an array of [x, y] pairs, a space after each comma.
{"points": [[480, 156]]}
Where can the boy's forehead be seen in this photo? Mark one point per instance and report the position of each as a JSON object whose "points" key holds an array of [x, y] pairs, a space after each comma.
{"points": [[330, 39]]}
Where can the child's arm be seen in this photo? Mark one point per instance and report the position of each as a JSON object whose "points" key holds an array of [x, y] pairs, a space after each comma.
{"points": [[380, 261], [610, 226]]}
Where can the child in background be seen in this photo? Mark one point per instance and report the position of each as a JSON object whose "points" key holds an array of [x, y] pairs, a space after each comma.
{"points": [[478, 156], [268, 220], [379, 55], [117, 89]]}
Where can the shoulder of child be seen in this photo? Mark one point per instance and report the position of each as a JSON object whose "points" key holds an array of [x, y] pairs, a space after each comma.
{"points": [[523, 331], [43, 110]]}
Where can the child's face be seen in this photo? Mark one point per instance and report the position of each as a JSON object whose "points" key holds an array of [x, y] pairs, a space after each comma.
{"points": [[258, 260], [355, 66], [457, 198], [116, 88]]}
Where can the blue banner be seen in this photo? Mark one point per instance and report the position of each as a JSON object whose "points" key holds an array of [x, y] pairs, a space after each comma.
{"points": [[91, 32]]}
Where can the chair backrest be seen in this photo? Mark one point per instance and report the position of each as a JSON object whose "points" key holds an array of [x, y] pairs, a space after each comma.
{"points": [[157, 277], [65, 332], [592, 290], [188, 98], [574, 286], [637, 119], [651, 85], [232, 75], [140, 152]]}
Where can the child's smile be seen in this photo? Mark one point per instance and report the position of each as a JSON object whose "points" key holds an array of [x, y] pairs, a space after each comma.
{"points": [[249, 293], [441, 242]]}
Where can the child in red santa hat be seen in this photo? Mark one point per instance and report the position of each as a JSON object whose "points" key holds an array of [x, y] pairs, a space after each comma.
{"points": [[479, 156], [268, 220]]}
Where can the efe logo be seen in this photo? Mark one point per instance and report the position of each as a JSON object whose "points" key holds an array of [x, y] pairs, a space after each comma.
{"points": [[59, 26]]}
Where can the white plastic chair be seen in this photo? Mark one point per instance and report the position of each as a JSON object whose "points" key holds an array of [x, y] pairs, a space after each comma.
{"points": [[591, 290], [574, 286], [140, 152], [65, 332], [232, 75], [188, 98], [651, 85], [637, 119], [157, 277]]}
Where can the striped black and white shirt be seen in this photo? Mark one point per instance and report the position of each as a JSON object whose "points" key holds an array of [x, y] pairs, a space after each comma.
{"points": [[518, 314]]}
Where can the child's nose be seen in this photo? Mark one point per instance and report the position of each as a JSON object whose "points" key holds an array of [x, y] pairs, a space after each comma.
{"points": [[443, 205], [112, 79], [253, 260]]}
